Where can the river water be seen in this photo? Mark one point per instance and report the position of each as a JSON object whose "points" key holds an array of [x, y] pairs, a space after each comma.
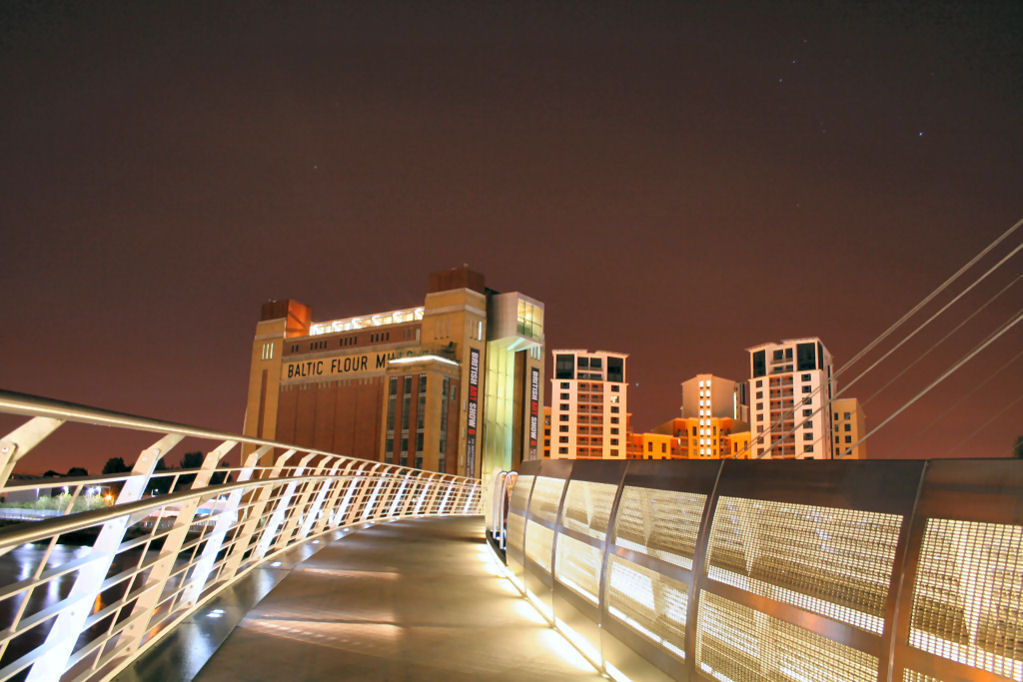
{"points": [[22, 563]]}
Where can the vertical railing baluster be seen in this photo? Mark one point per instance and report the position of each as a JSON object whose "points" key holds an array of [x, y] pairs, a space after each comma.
{"points": [[294, 511], [255, 514], [324, 486], [269, 534], [332, 508], [146, 603], [68, 625], [20, 442], [226, 519]]}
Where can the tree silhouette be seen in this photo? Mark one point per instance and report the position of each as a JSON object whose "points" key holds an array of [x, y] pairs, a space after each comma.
{"points": [[190, 460], [77, 471], [115, 465], [159, 484], [194, 460]]}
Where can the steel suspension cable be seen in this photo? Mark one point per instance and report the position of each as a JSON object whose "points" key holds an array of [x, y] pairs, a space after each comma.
{"points": [[942, 340], [933, 317], [985, 424], [966, 396], [773, 429], [1005, 327], [826, 404], [927, 299]]}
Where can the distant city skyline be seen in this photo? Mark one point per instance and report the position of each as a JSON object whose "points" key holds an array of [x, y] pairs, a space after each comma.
{"points": [[675, 182]]}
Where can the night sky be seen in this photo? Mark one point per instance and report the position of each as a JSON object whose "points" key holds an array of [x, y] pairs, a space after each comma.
{"points": [[675, 181]]}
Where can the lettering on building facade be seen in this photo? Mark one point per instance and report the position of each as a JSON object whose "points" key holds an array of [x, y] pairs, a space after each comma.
{"points": [[534, 408], [341, 365], [471, 412]]}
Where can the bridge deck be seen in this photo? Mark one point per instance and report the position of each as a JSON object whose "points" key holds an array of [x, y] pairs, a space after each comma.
{"points": [[408, 600]]}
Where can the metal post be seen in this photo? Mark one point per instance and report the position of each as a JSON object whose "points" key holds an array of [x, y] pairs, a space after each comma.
{"points": [[21, 440], [330, 513], [60, 642], [225, 520], [365, 483], [295, 513], [317, 506], [270, 531], [255, 515], [145, 604]]}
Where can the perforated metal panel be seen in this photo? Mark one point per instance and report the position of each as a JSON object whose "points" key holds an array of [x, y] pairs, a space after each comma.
{"points": [[649, 603], [659, 523], [517, 511], [914, 676], [539, 540], [967, 599], [587, 507], [546, 497], [515, 526], [520, 495], [830, 561], [578, 567], [736, 643]]}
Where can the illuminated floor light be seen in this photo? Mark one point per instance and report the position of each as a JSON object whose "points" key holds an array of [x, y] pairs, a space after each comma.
{"points": [[616, 674], [580, 642], [527, 612], [215, 613], [276, 564], [508, 587], [567, 650], [540, 606]]}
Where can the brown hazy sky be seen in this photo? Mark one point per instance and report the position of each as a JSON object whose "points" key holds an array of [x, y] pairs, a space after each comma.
{"points": [[676, 181]]}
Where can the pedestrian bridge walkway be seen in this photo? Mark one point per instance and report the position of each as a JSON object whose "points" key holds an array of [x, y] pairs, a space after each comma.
{"points": [[300, 564], [418, 599]]}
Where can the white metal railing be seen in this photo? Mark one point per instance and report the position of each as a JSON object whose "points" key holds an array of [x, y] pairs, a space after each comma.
{"points": [[151, 561]]}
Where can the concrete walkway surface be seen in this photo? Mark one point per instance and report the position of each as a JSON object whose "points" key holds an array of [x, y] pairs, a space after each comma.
{"points": [[408, 600]]}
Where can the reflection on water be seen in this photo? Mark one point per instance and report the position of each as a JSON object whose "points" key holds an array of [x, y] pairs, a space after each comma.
{"points": [[23, 563]]}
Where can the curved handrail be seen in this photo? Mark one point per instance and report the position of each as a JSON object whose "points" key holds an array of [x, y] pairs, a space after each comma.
{"points": [[164, 556]]}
